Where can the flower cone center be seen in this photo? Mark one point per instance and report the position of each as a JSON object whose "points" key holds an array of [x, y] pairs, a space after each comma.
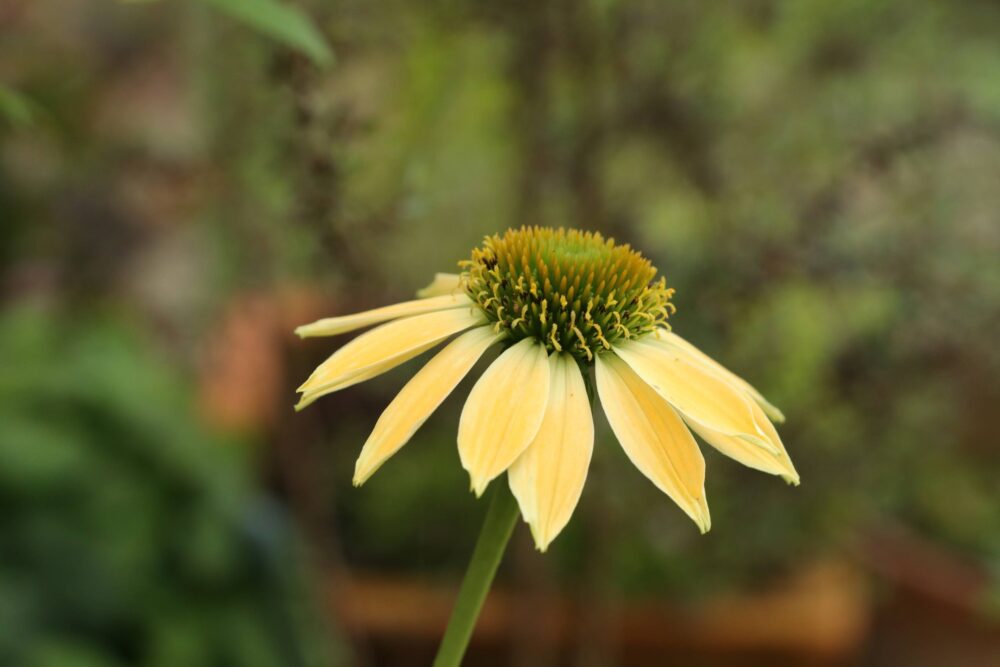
{"points": [[576, 292]]}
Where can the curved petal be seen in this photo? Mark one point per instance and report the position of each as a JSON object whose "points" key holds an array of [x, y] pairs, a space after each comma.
{"points": [[751, 455], [547, 479], [331, 326], [383, 348], [443, 283], [504, 411], [654, 437], [669, 337], [694, 390], [420, 397]]}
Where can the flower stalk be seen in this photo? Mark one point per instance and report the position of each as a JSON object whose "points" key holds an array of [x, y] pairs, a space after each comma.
{"points": [[501, 517]]}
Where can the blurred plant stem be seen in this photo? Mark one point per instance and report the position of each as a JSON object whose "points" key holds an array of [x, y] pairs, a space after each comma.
{"points": [[496, 531]]}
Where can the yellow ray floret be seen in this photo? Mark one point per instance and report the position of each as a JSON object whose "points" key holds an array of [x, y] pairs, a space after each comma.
{"points": [[384, 348], [331, 326], [672, 338], [443, 283], [547, 479], [503, 412], [695, 391], [749, 454], [654, 437], [420, 397]]}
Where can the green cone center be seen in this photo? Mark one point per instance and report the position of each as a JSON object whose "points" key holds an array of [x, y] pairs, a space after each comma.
{"points": [[576, 292]]}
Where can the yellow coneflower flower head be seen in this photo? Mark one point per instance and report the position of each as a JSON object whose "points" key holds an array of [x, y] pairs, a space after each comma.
{"points": [[563, 304]]}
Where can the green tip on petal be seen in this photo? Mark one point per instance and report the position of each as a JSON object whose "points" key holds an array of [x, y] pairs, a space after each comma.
{"points": [[772, 411], [704, 521], [478, 488]]}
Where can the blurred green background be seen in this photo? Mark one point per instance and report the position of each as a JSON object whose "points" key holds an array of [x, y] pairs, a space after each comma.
{"points": [[182, 182]]}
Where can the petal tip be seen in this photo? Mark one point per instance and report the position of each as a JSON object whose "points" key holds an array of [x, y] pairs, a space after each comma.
{"points": [[360, 475], [311, 330], [701, 515], [541, 540], [769, 408], [478, 486]]}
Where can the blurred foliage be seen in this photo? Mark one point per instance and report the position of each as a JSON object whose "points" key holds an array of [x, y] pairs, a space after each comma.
{"points": [[281, 21], [15, 108], [128, 535], [817, 180]]}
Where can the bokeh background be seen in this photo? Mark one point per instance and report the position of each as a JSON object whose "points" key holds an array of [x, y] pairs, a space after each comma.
{"points": [[182, 182]]}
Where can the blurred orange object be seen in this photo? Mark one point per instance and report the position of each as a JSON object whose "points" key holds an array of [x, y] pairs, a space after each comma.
{"points": [[243, 377], [818, 615]]}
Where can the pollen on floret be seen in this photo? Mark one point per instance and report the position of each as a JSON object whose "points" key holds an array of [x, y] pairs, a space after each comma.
{"points": [[575, 292]]}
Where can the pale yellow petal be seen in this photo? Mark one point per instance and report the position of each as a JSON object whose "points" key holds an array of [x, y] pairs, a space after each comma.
{"points": [[694, 390], [504, 411], [420, 397], [331, 326], [443, 283], [310, 396], [547, 479], [385, 347], [770, 410], [749, 454], [654, 437]]}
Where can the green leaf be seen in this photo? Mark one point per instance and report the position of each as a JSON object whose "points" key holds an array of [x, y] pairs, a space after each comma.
{"points": [[280, 21]]}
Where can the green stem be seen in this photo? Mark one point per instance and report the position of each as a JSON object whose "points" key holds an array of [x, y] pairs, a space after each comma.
{"points": [[493, 537]]}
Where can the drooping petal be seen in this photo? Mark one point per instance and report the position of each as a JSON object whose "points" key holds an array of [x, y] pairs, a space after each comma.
{"points": [[548, 477], [331, 326], [503, 412], [694, 390], [309, 396], [654, 437], [749, 454], [443, 283], [384, 348], [770, 410], [420, 397]]}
